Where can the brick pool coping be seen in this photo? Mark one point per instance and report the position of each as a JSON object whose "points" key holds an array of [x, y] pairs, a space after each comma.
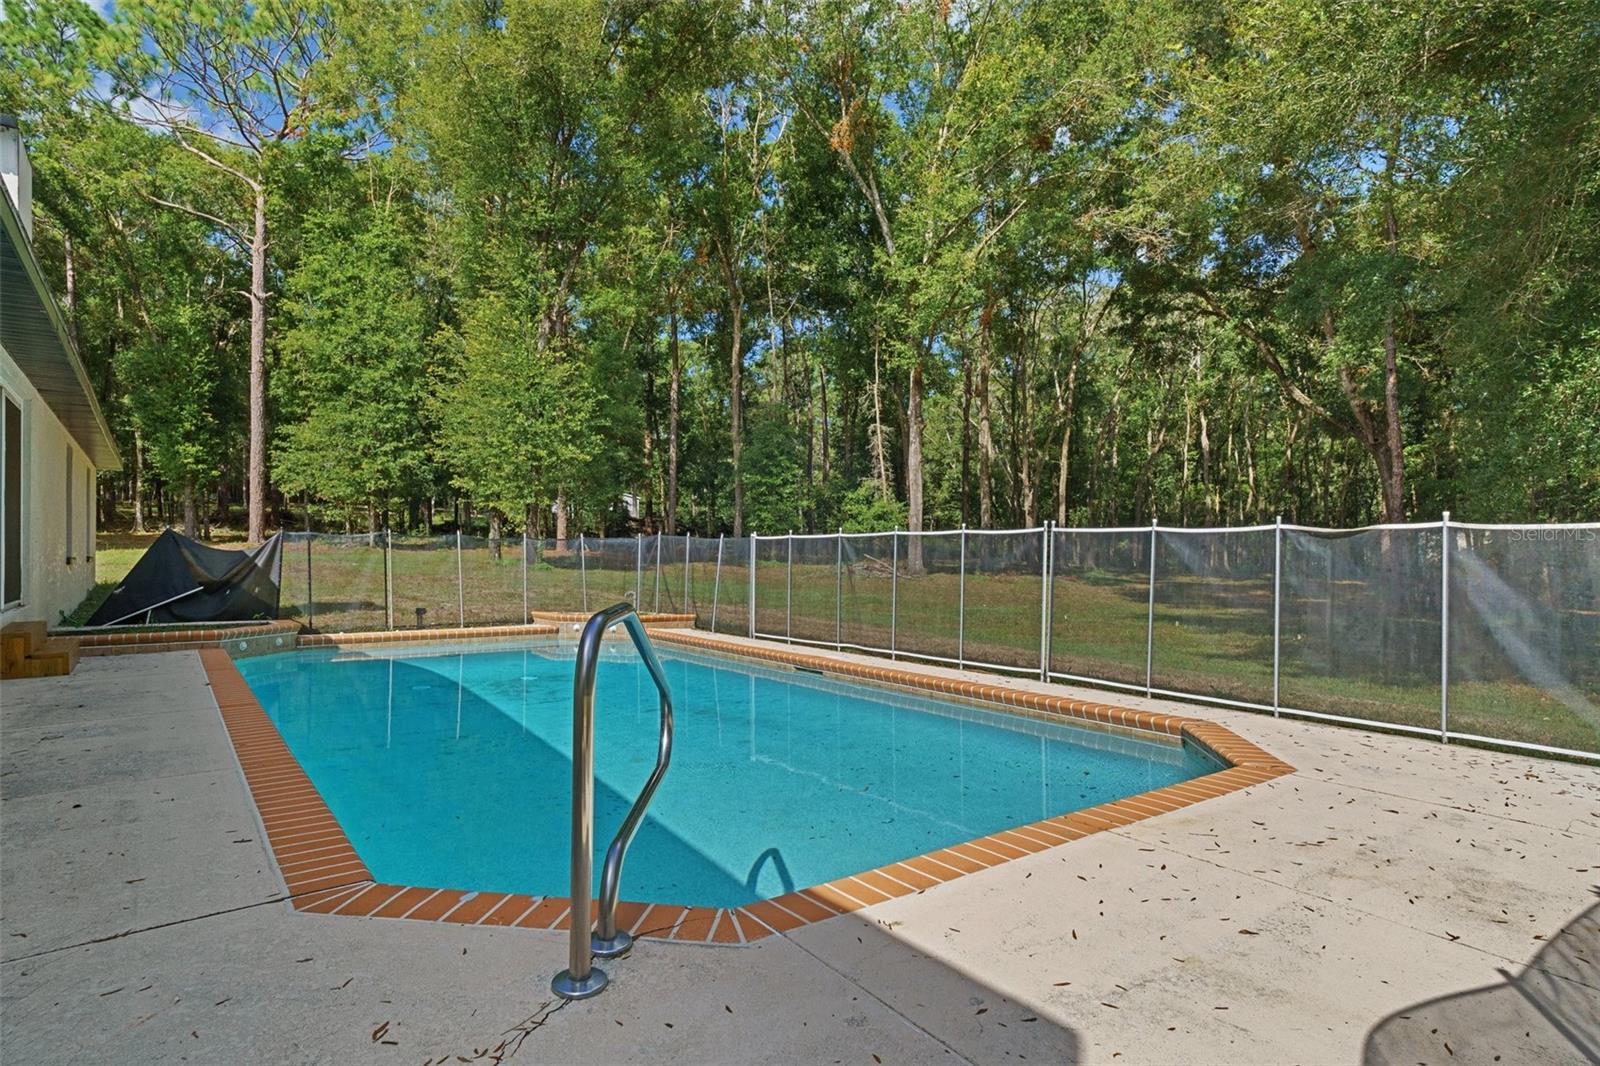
{"points": [[430, 636], [324, 875], [659, 618], [175, 637]]}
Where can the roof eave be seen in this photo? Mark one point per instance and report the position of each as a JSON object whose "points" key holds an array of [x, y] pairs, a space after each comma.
{"points": [[95, 439]]}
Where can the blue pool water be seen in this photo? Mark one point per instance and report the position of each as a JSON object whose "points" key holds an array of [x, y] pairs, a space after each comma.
{"points": [[454, 770]]}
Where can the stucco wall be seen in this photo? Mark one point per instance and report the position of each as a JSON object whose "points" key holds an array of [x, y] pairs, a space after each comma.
{"points": [[50, 586]]}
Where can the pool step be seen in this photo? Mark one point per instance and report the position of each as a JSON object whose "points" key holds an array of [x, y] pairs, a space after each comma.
{"points": [[27, 650]]}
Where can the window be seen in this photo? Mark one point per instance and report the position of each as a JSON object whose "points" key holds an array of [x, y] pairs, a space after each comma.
{"points": [[10, 501], [71, 491]]}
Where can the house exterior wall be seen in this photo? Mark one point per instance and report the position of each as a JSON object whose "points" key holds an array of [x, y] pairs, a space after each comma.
{"points": [[51, 586]]}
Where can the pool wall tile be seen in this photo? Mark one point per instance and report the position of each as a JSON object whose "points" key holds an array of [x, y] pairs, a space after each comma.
{"points": [[323, 874]]}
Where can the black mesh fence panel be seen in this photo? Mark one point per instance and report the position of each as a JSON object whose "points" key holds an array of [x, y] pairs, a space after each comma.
{"points": [[555, 578], [294, 580], [612, 571], [928, 595], [1213, 613], [346, 590], [1005, 594], [702, 578], [1100, 598], [730, 611], [772, 586], [815, 585], [491, 580], [1525, 635], [867, 589], [1359, 624], [424, 581], [671, 578]]}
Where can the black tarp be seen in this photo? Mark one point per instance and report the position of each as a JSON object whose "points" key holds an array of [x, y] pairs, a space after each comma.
{"points": [[182, 580]]}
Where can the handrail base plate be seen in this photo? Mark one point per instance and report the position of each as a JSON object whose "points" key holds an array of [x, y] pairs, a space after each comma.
{"points": [[615, 947], [567, 987]]}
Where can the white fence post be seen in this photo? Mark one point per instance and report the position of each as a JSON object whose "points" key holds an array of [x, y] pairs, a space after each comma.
{"points": [[961, 604], [788, 593], [1044, 605], [1277, 607], [583, 572], [388, 578], [638, 573], [684, 606], [716, 582], [894, 590], [750, 604], [655, 600], [526, 616], [461, 586], [838, 590], [1150, 617], [1444, 630], [311, 600]]}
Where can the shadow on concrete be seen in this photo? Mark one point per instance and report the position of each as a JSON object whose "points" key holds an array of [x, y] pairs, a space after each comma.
{"points": [[936, 994], [1550, 1012]]}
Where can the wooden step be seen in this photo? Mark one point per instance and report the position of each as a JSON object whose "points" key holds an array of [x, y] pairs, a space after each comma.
{"points": [[18, 640], [52, 657], [62, 649]]}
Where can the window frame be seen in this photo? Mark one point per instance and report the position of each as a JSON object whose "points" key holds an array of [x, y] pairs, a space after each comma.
{"points": [[71, 494], [11, 401], [90, 513]]}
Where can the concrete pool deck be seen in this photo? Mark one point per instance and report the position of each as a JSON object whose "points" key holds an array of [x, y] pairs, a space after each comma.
{"points": [[1392, 896]]}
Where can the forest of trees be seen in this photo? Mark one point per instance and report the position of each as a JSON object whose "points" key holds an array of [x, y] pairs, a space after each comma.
{"points": [[775, 264]]}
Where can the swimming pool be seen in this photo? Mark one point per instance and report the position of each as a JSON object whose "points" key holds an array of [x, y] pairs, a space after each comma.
{"points": [[454, 769]]}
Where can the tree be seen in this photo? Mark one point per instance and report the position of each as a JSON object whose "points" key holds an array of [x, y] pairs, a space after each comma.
{"points": [[352, 379], [233, 86], [512, 414], [946, 124]]}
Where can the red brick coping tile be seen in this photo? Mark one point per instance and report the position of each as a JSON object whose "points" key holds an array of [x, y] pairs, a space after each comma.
{"points": [[125, 641], [324, 875], [649, 619], [418, 636]]}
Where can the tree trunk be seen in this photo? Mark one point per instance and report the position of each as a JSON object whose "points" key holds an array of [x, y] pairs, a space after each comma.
{"points": [[561, 520], [1394, 494], [966, 438], [672, 425], [914, 468], [736, 403], [72, 286], [191, 520], [822, 401], [880, 461], [1068, 414], [494, 534], [986, 449], [138, 480], [647, 498], [258, 371], [1022, 434]]}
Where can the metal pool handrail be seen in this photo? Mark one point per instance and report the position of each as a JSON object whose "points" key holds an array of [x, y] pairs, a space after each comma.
{"points": [[581, 979]]}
